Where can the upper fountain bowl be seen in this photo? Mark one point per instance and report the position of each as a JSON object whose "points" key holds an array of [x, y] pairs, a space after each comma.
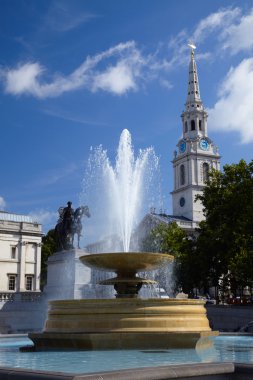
{"points": [[126, 261]]}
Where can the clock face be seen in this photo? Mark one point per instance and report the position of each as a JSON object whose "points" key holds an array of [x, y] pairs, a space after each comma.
{"points": [[182, 147], [203, 144], [182, 201]]}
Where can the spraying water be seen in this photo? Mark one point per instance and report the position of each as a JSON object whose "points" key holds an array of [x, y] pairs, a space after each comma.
{"points": [[121, 188]]}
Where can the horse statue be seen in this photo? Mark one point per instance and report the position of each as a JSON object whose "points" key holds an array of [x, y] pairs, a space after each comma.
{"points": [[69, 224]]}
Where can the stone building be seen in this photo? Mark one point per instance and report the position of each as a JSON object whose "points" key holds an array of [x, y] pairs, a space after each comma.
{"points": [[21, 305], [20, 254]]}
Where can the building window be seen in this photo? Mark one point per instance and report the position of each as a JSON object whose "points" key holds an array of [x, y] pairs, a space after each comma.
{"points": [[29, 283], [12, 282], [200, 125], [13, 252], [185, 126], [192, 125], [205, 172], [182, 175]]}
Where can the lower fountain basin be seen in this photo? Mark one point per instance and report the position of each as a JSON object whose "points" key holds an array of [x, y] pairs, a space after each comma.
{"points": [[124, 324]]}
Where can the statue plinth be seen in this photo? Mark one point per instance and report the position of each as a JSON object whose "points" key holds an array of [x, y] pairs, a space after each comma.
{"points": [[67, 278]]}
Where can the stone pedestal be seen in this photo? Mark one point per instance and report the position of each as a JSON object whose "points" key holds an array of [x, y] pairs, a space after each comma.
{"points": [[67, 277]]}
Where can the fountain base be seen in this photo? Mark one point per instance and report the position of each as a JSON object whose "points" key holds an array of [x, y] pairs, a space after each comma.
{"points": [[124, 323], [118, 341]]}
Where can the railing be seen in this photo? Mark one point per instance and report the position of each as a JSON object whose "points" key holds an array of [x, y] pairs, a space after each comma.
{"points": [[29, 296], [20, 296], [4, 297]]}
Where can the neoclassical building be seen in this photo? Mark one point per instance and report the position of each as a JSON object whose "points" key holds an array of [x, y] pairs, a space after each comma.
{"points": [[20, 253]]}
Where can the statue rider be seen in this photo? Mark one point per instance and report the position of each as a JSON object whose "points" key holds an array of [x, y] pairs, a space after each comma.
{"points": [[68, 217], [69, 224]]}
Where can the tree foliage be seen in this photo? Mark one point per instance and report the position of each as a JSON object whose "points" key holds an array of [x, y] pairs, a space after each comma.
{"points": [[164, 238], [171, 239], [225, 241], [49, 246], [221, 255]]}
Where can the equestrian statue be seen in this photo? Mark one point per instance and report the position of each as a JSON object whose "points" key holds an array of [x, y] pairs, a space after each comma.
{"points": [[69, 224]]}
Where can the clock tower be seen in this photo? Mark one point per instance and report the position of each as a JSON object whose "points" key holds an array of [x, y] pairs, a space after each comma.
{"points": [[196, 153]]}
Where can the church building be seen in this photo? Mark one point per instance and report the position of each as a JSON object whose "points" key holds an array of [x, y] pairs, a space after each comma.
{"points": [[195, 156], [196, 153]]}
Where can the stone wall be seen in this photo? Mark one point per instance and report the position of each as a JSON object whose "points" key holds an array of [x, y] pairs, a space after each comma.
{"points": [[229, 318], [23, 312]]}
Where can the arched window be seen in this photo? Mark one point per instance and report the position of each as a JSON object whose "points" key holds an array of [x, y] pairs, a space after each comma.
{"points": [[182, 175], [200, 125], [205, 171], [185, 126], [192, 125]]}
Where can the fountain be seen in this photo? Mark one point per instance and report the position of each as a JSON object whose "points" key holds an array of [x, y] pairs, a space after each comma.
{"points": [[120, 193], [125, 322]]}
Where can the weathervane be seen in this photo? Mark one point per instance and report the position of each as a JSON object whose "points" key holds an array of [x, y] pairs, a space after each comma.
{"points": [[193, 47]]}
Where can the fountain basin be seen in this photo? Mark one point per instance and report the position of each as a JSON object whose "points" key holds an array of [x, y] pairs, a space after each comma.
{"points": [[126, 265], [125, 262], [124, 324]]}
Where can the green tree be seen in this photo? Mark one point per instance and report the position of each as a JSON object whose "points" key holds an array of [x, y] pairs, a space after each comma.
{"points": [[225, 237], [48, 248], [171, 239], [164, 238]]}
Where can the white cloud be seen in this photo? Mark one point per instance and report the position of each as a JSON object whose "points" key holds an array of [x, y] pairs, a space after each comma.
{"points": [[117, 77], [24, 79], [215, 23], [217, 20], [233, 111], [2, 203], [238, 37], [231, 28], [123, 68]]}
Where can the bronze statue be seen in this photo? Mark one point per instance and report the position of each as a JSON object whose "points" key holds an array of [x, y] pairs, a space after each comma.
{"points": [[69, 224]]}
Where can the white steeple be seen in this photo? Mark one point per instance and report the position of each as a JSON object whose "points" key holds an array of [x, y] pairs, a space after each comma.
{"points": [[193, 97], [194, 117], [196, 154]]}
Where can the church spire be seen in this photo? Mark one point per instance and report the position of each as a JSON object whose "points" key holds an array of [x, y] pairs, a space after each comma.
{"points": [[193, 100], [196, 154]]}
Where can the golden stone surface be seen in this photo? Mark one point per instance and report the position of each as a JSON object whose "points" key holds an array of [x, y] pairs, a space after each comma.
{"points": [[126, 261], [125, 323]]}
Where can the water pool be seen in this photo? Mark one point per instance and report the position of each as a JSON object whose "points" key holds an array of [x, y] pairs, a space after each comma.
{"points": [[226, 349]]}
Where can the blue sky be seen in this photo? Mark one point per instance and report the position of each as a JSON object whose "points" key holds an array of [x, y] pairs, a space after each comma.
{"points": [[74, 74]]}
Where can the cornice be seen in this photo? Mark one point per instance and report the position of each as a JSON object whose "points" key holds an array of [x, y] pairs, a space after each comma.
{"points": [[194, 187], [20, 233]]}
